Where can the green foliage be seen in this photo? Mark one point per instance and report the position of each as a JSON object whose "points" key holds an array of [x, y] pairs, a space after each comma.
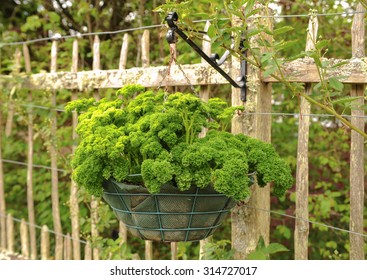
{"points": [[157, 135], [263, 252], [218, 250]]}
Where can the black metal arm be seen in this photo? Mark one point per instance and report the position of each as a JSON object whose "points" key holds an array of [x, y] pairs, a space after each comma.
{"points": [[212, 60]]}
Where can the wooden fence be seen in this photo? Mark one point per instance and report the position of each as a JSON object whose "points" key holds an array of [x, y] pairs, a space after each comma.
{"points": [[248, 223]]}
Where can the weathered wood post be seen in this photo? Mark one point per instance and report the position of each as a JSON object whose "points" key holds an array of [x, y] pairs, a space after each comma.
{"points": [[53, 154], [24, 240], [88, 251], [122, 66], [301, 231], [30, 201], [95, 201], [10, 233], [357, 172], [45, 243], [2, 191], [204, 95], [145, 58], [74, 204], [249, 224]]}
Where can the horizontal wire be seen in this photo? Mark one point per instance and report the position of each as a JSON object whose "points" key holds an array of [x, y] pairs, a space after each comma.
{"points": [[79, 35], [305, 220], [305, 115], [40, 227], [33, 165], [317, 14]]}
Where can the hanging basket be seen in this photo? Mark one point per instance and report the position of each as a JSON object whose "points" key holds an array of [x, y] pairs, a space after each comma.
{"points": [[171, 215]]}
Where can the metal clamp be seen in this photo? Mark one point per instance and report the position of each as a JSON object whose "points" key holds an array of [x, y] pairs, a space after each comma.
{"points": [[213, 60]]}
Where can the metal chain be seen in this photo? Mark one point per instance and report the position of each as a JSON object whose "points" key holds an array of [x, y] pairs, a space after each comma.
{"points": [[173, 54], [168, 71]]}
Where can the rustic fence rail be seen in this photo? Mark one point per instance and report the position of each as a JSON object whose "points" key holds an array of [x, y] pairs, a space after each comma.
{"points": [[248, 221]]}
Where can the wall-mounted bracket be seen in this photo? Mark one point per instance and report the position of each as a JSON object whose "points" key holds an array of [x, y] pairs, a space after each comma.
{"points": [[213, 60]]}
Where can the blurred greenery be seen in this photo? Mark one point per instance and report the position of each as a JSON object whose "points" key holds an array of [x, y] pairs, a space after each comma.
{"points": [[329, 140]]}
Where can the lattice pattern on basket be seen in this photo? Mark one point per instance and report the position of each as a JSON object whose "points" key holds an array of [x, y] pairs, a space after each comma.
{"points": [[169, 216]]}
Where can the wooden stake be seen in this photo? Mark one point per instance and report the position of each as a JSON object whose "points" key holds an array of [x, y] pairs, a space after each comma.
{"points": [[30, 201], [122, 66], [301, 231], [204, 95], [145, 50], [45, 243], [148, 250], [124, 52], [10, 233], [2, 191], [24, 240], [357, 172], [88, 251], [53, 154], [95, 201], [74, 204], [68, 248]]}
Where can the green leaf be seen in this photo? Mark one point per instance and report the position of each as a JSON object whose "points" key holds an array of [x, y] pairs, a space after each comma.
{"points": [[257, 255], [322, 44], [275, 248], [249, 6], [345, 100], [283, 29], [271, 70], [212, 31], [336, 84], [266, 56]]}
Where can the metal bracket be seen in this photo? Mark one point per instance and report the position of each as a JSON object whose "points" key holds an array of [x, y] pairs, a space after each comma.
{"points": [[213, 60]]}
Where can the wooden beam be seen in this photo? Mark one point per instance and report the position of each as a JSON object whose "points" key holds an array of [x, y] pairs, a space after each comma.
{"points": [[198, 74], [353, 71]]}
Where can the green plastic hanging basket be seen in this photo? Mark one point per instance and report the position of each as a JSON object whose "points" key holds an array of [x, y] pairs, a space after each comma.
{"points": [[171, 215]]}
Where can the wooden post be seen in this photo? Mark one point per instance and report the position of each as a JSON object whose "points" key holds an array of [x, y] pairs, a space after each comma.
{"points": [[145, 63], [249, 224], [88, 251], [204, 95], [122, 66], [2, 191], [148, 250], [10, 233], [24, 240], [30, 201], [45, 243], [301, 231], [174, 250], [53, 155], [357, 171], [74, 204], [95, 201], [124, 52], [68, 251], [145, 49]]}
